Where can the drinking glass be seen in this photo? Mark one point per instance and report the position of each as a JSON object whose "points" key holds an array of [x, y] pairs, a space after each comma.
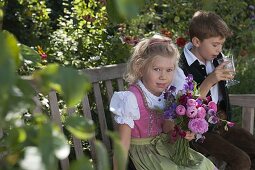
{"points": [[230, 65]]}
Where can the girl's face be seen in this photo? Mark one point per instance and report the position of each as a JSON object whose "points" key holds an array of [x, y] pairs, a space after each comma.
{"points": [[159, 73], [209, 48]]}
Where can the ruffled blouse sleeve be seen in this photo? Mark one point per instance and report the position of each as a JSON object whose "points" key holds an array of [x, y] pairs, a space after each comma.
{"points": [[125, 108]]}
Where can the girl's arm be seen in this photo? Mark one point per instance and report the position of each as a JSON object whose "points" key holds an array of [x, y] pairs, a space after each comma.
{"points": [[125, 138]]}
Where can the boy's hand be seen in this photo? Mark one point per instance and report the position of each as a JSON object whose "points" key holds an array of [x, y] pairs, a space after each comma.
{"points": [[220, 73]]}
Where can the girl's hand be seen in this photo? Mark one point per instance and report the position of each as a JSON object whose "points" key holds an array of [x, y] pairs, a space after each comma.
{"points": [[189, 135]]}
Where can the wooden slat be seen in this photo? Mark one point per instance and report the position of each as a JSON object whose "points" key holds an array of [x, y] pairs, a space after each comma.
{"points": [[109, 90], [248, 119], [101, 114], [87, 114], [105, 72], [38, 107], [243, 100], [77, 142], [120, 83], [55, 116]]}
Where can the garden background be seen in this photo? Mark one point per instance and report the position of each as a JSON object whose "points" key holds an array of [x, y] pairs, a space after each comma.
{"points": [[81, 34]]}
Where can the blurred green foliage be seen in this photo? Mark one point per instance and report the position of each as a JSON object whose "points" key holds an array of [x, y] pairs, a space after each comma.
{"points": [[82, 34]]}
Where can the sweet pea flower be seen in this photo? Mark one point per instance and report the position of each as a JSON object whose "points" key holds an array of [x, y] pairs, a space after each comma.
{"points": [[201, 112], [191, 111], [230, 124], [213, 106], [213, 119], [198, 125], [191, 102], [180, 110]]}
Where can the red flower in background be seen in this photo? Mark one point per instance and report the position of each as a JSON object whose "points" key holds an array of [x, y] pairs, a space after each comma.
{"points": [[131, 40], [42, 53], [89, 18], [181, 41], [166, 33]]}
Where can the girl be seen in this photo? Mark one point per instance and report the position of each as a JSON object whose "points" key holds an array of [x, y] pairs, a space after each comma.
{"points": [[142, 128]]}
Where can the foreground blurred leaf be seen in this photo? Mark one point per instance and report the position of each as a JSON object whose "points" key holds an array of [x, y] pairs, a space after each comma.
{"points": [[30, 54], [80, 127], [82, 163], [66, 81], [52, 145], [32, 159], [121, 10], [9, 60], [102, 156]]}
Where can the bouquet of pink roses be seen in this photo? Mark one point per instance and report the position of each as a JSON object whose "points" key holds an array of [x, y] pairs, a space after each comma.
{"points": [[190, 113]]}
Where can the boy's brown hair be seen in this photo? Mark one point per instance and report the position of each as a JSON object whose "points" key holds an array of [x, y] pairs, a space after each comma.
{"points": [[205, 24]]}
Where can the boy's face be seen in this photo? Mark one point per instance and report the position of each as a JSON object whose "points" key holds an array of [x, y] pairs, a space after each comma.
{"points": [[209, 48], [157, 76]]}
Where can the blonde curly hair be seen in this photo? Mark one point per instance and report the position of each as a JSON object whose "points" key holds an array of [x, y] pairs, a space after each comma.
{"points": [[144, 52]]}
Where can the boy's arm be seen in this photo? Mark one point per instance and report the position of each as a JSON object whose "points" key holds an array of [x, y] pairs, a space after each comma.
{"points": [[219, 74]]}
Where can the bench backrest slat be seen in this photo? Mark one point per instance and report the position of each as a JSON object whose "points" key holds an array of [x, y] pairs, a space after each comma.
{"points": [[101, 115], [87, 114], [76, 142], [55, 115]]}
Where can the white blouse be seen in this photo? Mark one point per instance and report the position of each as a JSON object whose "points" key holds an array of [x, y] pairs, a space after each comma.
{"points": [[125, 108]]}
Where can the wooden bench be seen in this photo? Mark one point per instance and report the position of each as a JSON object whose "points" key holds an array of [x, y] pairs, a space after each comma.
{"points": [[105, 80]]}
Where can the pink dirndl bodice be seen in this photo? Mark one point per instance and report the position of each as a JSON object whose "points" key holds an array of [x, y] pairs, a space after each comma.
{"points": [[150, 122]]}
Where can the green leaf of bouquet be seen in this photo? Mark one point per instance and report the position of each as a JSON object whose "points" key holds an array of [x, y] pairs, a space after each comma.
{"points": [[30, 54], [118, 150], [102, 156], [82, 164], [80, 127], [70, 83]]}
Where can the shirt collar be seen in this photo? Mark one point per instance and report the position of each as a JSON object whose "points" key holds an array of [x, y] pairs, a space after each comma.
{"points": [[152, 100], [191, 58]]}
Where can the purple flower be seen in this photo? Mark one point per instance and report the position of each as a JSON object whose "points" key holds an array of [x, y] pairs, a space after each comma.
{"points": [[199, 102], [169, 92], [172, 88], [180, 110], [170, 113], [251, 7], [189, 78], [198, 125], [213, 119], [211, 112]]}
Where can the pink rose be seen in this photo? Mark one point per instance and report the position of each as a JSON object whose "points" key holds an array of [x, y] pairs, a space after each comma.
{"points": [[198, 125], [191, 102], [213, 106], [201, 112], [180, 110], [191, 111]]}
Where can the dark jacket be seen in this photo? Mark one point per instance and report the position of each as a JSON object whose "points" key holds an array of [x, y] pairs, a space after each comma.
{"points": [[199, 74]]}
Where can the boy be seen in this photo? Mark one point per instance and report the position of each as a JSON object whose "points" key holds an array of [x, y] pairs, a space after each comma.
{"points": [[200, 57]]}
